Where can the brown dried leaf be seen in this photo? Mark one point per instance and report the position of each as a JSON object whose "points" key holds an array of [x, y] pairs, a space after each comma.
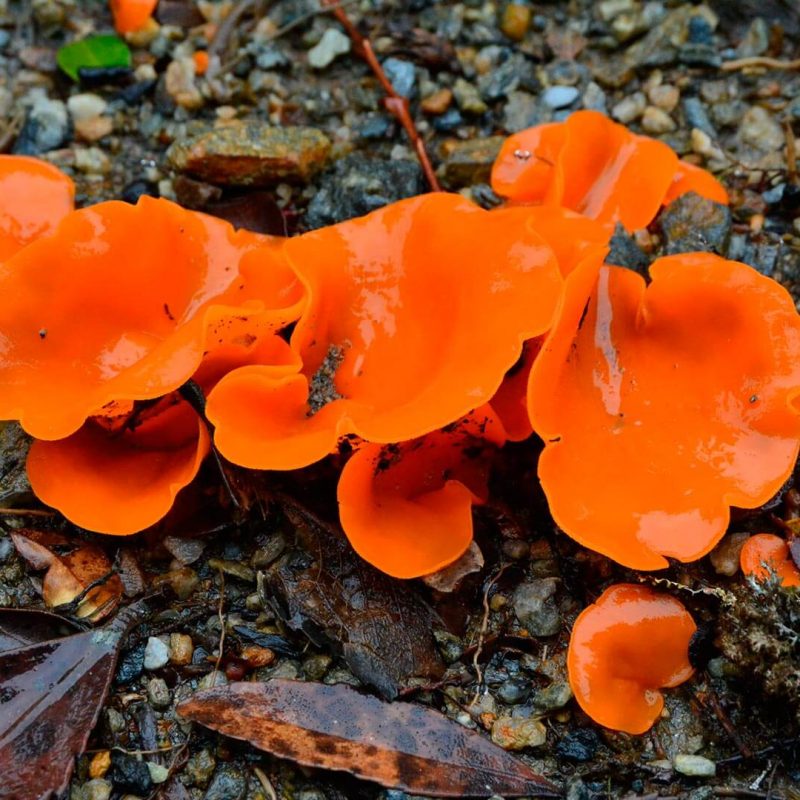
{"points": [[382, 628], [21, 627], [72, 567], [398, 745], [51, 694], [450, 578]]}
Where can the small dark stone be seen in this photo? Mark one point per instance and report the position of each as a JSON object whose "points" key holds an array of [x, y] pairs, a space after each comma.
{"points": [[136, 189], [450, 120], [357, 185], [502, 80], [697, 116], [695, 224], [699, 55], [700, 31], [132, 95], [6, 549], [578, 746], [514, 690], [131, 664], [128, 774], [94, 77], [228, 783], [626, 253], [376, 126], [272, 58]]}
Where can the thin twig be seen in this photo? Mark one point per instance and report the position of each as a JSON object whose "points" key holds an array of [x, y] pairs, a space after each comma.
{"points": [[221, 39], [482, 633], [395, 104], [266, 783], [735, 791], [221, 615], [759, 61], [791, 152], [26, 512]]}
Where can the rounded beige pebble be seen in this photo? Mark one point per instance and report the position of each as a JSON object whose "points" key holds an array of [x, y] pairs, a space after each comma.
{"points": [[694, 766]]}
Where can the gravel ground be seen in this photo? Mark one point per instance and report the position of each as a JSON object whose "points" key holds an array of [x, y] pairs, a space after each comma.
{"points": [[295, 112]]}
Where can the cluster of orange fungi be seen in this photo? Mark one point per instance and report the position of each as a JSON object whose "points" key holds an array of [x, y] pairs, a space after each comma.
{"points": [[425, 335]]}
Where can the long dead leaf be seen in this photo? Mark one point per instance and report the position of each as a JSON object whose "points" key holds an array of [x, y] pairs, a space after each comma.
{"points": [[51, 694], [21, 627], [398, 745], [72, 567]]}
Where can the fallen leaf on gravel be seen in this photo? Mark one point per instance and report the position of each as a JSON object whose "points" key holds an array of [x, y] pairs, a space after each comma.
{"points": [[398, 745], [21, 627], [72, 568], [382, 628], [51, 694]]}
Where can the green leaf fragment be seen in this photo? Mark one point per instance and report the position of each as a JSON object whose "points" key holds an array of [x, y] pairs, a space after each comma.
{"points": [[96, 51]]}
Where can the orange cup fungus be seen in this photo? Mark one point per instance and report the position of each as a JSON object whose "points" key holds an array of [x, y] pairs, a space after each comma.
{"points": [[415, 313], [34, 198], [651, 431], [139, 295], [598, 168], [764, 555], [132, 15], [625, 647], [407, 508]]}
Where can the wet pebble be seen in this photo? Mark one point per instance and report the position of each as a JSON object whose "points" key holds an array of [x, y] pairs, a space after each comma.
{"points": [[96, 789], [128, 774], [46, 126], [535, 607], [251, 153], [131, 665], [229, 783], [402, 75], [156, 654], [695, 224], [579, 745], [697, 117], [629, 108], [181, 649], [560, 96], [85, 106], [517, 733], [158, 772], [725, 557], [468, 98], [199, 768], [158, 693], [516, 20], [656, 120], [552, 697], [449, 121], [470, 162], [333, 43], [521, 111], [514, 690], [761, 130]]}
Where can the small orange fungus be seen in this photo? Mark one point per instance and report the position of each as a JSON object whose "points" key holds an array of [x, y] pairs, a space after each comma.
{"points": [[121, 302], [34, 198], [407, 508], [201, 61], [132, 15], [765, 554], [119, 475], [661, 406], [598, 168], [415, 313], [625, 647]]}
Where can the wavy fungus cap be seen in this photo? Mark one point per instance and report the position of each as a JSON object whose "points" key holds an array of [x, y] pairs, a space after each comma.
{"points": [[415, 313], [121, 302], [407, 508], [627, 645], [764, 554], [34, 198], [131, 15], [119, 475], [598, 168], [661, 406]]}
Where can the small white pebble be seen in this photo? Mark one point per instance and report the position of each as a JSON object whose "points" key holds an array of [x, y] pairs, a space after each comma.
{"points": [[86, 106], [156, 654], [694, 766], [158, 773], [630, 108], [656, 120]]}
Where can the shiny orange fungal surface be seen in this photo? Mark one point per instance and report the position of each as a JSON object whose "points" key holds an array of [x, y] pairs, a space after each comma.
{"points": [[765, 554], [131, 15], [34, 197], [121, 302], [407, 508], [415, 313], [625, 647], [661, 406], [598, 168]]}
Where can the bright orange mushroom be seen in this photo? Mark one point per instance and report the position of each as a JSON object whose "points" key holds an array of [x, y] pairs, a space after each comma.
{"points": [[119, 475], [625, 647], [765, 554], [415, 313], [34, 198], [132, 15], [661, 406], [121, 302], [407, 508], [598, 168]]}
